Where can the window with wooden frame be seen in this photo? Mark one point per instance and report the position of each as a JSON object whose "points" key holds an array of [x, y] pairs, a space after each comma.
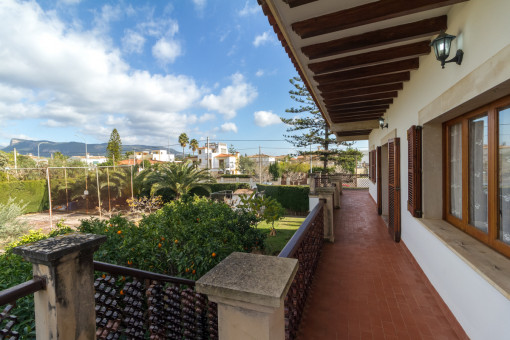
{"points": [[372, 166], [477, 174], [414, 170]]}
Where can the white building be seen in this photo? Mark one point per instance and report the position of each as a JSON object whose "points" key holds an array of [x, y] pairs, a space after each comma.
{"points": [[263, 160], [220, 161], [155, 155], [90, 160]]}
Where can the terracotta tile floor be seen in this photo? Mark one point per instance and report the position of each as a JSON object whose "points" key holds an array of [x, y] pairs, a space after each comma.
{"points": [[369, 287]]}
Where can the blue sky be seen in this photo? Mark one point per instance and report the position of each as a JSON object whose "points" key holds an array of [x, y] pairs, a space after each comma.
{"points": [[76, 69]]}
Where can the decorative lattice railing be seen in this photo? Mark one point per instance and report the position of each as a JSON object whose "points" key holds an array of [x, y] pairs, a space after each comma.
{"points": [[306, 247], [137, 304]]}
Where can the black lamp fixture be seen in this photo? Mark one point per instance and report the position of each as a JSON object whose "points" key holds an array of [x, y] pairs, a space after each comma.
{"points": [[442, 46], [382, 125]]}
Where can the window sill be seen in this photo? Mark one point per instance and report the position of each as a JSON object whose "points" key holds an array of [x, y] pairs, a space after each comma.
{"points": [[492, 266]]}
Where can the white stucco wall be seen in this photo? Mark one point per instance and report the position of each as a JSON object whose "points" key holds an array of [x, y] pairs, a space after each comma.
{"points": [[483, 31]]}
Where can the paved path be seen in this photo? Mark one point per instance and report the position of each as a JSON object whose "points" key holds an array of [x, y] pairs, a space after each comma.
{"points": [[369, 287]]}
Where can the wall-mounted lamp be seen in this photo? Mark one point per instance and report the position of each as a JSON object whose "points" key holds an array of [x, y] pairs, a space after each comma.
{"points": [[382, 125], [442, 46]]}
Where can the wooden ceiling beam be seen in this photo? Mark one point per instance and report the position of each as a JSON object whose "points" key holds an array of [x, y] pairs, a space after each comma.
{"points": [[358, 99], [414, 30], [355, 119], [366, 82], [296, 3], [360, 105], [367, 114], [353, 133], [365, 14], [374, 57], [364, 91], [360, 109], [369, 71]]}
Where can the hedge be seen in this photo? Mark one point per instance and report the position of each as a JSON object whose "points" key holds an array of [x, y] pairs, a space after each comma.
{"points": [[35, 193], [291, 197], [215, 187], [236, 176]]}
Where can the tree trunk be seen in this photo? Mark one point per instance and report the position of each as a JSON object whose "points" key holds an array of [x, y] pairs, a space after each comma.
{"points": [[326, 147]]}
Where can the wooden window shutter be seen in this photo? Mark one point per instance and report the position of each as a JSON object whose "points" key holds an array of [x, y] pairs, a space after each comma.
{"points": [[372, 166], [394, 188], [414, 170], [379, 180]]}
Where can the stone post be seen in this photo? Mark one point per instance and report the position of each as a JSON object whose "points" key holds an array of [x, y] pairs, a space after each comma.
{"points": [[337, 180], [250, 290], [66, 308], [311, 182], [327, 194]]}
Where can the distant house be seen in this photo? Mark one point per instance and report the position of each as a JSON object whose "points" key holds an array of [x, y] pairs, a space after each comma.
{"points": [[216, 158], [90, 160], [263, 160], [154, 155]]}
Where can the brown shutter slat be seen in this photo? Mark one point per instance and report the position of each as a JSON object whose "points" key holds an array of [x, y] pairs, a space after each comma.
{"points": [[394, 188], [372, 165], [379, 180], [414, 170]]}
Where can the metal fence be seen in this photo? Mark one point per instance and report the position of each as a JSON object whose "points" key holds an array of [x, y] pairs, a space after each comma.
{"points": [[61, 191], [305, 246], [16, 300], [355, 181]]}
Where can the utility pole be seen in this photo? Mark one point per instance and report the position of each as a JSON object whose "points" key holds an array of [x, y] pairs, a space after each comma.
{"points": [[310, 158], [207, 150], [260, 167]]}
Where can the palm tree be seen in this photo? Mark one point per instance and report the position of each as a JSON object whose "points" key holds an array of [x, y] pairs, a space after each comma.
{"points": [[178, 177], [183, 140], [193, 144]]}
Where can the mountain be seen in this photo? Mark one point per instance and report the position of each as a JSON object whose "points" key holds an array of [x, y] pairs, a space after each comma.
{"points": [[24, 146]]}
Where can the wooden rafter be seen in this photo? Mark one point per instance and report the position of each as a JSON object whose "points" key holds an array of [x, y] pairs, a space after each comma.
{"points": [[296, 3], [355, 119], [366, 82], [369, 71], [414, 30], [353, 133], [360, 109], [366, 98], [370, 58], [358, 114], [365, 14], [359, 105], [364, 91]]}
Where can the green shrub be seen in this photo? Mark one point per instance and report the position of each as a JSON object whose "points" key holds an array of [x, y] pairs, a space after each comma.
{"points": [[215, 187], [33, 193], [10, 226], [185, 238], [236, 176], [291, 197], [329, 169]]}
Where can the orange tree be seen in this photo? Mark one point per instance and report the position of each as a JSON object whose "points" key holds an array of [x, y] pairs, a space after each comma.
{"points": [[185, 238]]}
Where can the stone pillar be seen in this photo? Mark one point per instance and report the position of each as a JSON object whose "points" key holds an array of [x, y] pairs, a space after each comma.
{"points": [[66, 308], [327, 195], [311, 182], [250, 290], [337, 181]]}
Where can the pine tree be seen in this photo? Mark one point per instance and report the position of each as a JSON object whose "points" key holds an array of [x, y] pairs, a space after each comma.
{"points": [[311, 129], [114, 148]]}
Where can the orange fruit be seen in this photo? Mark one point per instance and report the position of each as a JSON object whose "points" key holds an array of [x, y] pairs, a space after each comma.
{"points": [[213, 254]]}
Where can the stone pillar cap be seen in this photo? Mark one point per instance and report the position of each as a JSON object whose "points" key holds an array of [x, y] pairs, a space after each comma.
{"points": [[53, 248], [255, 279]]}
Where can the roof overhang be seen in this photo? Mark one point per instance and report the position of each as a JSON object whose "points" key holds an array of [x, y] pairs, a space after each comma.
{"points": [[355, 56]]}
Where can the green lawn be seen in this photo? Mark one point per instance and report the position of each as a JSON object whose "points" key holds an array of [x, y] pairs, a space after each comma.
{"points": [[284, 231]]}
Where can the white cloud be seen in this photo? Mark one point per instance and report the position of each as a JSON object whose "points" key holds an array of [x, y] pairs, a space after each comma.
{"points": [[64, 76], [249, 9], [229, 127], [200, 4], [265, 118], [69, 2], [206, 117], [232, 97], [259, 73], [133, 42], [263, 38], [166, 50]]}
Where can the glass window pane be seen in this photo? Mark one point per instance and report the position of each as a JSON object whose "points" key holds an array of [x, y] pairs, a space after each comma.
{"points": [[504, 175], [478, 171], [456, 170]]}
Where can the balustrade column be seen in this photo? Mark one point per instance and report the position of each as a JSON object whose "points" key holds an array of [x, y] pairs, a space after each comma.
{"points": [[327, 195], [250, 290], [65, 309]]}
